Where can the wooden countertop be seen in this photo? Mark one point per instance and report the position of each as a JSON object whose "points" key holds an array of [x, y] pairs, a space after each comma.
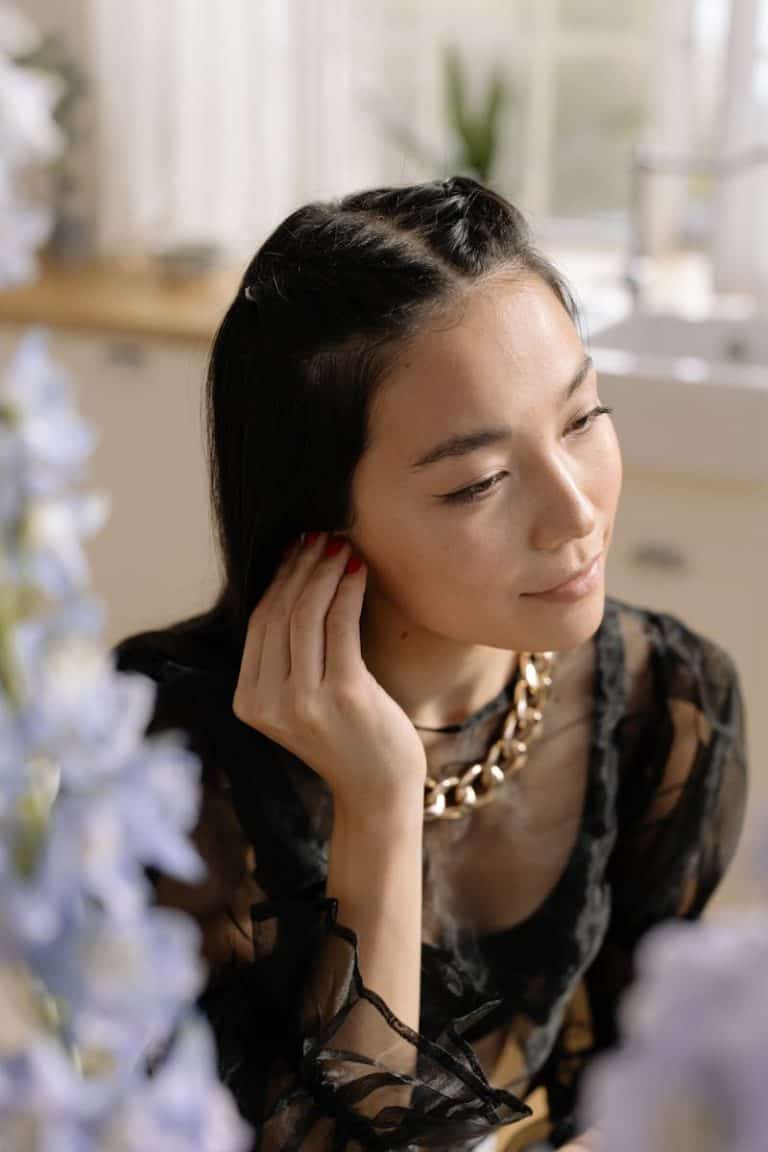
{"points": [[130, 296]]}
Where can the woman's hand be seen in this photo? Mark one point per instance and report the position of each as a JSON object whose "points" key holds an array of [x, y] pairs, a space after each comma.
{"points": [[304, 684]]}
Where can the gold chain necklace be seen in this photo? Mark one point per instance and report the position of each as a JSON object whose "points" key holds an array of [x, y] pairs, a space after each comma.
{"points": [[458, 796]]}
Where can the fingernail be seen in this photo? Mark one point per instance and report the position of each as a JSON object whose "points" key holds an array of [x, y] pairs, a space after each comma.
{"points": [[334, 545], [312, 536], [353, 564]]}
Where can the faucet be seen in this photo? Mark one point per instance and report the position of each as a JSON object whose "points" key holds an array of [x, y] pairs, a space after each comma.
{"points": [[644, 165]]}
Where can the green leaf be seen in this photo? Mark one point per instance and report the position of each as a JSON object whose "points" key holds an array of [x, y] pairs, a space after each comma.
{"points": [[477, 133], [454, 89]]}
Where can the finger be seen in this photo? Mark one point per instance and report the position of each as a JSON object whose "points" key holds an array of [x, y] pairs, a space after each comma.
{"points": [[299, 567], [307, 629], [275, 644], [343, 656], [290, 561], [268, 603]]}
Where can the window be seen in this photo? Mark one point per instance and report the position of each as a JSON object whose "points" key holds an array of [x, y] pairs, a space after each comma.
{"points": [[580, 74], [216, 120], [761, 68]]}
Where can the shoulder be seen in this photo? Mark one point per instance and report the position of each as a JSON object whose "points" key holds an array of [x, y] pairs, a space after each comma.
{"points": [[682, 733], [192, 647], [196, 678], [184, 655], [150, 654], [683, 767], [666, 659], [192, 696]]}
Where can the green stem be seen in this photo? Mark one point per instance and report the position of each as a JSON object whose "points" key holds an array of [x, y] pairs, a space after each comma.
{"points": [[9, 678]]}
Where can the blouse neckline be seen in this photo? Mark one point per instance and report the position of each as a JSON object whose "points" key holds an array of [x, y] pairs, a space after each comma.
{"points": [[563, 934], [597, 818]]}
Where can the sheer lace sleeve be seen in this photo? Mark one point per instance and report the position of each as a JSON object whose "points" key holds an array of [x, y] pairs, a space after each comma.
{"points": [[681, 800], [284, 974], [684, 782]]}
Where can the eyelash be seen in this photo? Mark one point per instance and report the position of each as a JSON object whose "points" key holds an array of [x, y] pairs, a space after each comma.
{"points": [[477, 491]]}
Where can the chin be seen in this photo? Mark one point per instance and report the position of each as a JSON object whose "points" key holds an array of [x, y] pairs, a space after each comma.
{"points": [[545, 626]]}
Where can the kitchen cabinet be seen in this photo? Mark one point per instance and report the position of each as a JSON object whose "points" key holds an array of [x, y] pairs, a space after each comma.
{"points": [[697, 546], [154, 560]]}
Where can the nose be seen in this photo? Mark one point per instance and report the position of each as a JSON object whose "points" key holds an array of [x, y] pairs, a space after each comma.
{"points": [[561, 509]]}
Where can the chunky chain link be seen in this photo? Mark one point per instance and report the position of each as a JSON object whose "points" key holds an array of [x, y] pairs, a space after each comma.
{"points": [[458, 796]]}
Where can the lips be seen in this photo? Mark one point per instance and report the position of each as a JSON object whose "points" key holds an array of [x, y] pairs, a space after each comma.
{"points": [[569, 580]]}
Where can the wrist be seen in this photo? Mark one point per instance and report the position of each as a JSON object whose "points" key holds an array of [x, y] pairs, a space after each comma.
{"points": [[401, 810]]}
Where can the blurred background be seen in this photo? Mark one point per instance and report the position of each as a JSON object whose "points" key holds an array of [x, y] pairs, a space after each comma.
{"points": [[632, 133]]}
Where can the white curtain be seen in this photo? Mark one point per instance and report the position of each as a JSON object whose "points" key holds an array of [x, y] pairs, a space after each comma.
{"points": [[740, 246], [216, 119], [192, 105], [670, 120]]}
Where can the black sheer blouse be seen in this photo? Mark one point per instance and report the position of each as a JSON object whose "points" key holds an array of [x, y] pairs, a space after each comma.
{"points": [[627, 812]]}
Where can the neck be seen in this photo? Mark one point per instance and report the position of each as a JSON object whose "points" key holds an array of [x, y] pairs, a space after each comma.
{"points": [[435, 680]]}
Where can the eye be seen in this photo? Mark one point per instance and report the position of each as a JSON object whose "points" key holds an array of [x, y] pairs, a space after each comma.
{"points": [[477, 491], [474, 492], [584, 423]]}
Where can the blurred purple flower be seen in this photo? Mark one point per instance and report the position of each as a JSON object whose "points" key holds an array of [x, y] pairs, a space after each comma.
{"points": [[690, 1072], [94, 980], [181, 1108]]}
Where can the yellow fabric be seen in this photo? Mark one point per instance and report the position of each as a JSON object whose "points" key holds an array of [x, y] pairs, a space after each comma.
{"points": [[528, 1131], [509, 1071]]}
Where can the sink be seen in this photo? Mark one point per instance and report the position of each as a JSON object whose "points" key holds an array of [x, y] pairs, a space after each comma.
{"points": [[690, 394]]}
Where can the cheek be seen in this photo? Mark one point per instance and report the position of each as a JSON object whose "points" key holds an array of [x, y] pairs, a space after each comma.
{"points": [[613, 466], [392, 546], [603, 470], [431, 571]]}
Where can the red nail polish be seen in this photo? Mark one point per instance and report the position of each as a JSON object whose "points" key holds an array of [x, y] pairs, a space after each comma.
{"points": [[334, 545], [353, 564], [311, 537]]}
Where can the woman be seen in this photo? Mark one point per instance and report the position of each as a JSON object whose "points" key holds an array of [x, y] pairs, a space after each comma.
{"points": [[440, 808]]}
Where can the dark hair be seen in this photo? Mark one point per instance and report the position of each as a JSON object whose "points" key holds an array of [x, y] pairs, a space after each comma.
{"points": [[321, 311]]}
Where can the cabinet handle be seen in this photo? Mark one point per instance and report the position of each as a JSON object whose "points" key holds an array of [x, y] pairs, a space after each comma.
{"points": [[657, 554]]}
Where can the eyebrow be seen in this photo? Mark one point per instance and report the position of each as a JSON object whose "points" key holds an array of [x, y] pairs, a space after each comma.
{"points": [[463, 443]]}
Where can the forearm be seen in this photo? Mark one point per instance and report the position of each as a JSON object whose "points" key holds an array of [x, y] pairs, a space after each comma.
{"points": [[375, 874]]}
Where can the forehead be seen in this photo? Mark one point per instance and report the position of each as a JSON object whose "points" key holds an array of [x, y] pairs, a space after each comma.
{"points": [[507, 344]]}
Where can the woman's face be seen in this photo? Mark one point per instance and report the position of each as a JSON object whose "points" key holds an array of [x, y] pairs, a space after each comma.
{"points": [[546, 484]]}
